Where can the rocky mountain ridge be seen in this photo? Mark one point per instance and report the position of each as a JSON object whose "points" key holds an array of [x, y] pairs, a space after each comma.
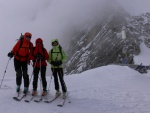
{"points": [[101, 43]]}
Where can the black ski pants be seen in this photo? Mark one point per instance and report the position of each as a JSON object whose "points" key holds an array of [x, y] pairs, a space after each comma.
{"points": [[21, 68], [58, 72], [43, 77]]}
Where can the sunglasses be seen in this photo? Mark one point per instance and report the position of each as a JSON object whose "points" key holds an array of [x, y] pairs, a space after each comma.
{"points": [[28, 37], [54, 43]]}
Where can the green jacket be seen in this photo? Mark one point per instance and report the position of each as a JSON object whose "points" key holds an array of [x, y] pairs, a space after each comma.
{"points": [[56, 55]]}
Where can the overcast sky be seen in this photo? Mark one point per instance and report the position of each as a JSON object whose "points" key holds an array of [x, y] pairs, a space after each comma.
{"points": [[136, 7], [49, 19]]}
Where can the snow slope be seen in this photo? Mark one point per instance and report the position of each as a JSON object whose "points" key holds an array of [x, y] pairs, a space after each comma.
{"points": [[108, 89]]}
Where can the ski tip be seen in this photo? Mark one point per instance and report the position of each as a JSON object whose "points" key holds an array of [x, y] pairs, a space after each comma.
{"points": [[27, 101], [36, 101], [15, 98], [46, 101], [59, 105]]}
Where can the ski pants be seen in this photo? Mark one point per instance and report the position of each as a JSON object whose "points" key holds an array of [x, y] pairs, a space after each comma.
{"points": [[21, 68], [58, 72], [43, 77]]}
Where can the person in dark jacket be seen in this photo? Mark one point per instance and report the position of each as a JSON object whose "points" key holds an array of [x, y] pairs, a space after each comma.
{"points": [[39, 57]]}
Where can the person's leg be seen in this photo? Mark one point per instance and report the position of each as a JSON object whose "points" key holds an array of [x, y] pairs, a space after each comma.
{"points": [[56, 83], [61, 78], [35, 77], [17, 66], [25, 75], [43, 77]]}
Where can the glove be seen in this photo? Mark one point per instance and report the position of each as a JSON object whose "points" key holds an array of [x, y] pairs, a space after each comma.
{"points": [[10, 54], [39, 56], [56, 63], [59, 63], [53, 63]]}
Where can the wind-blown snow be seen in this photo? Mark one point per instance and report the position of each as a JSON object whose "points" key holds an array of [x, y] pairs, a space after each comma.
{"points": [[107, 89]]}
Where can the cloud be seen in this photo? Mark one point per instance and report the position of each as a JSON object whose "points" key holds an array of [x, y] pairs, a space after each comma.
{"points": [[135, 7], [49, 19]]}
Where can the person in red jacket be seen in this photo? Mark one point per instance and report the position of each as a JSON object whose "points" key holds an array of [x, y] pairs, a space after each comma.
{"points": [[21, 52], [39, 57]]}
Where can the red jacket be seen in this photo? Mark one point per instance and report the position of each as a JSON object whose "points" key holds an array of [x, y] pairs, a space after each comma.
{"points": [[41, 50], [22, 49]]}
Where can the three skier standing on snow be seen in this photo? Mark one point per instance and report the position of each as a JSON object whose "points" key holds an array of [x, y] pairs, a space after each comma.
{"points": [[23, 52]]}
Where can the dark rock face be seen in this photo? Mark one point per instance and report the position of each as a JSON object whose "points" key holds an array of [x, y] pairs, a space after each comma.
{"points": [[101, 43]]}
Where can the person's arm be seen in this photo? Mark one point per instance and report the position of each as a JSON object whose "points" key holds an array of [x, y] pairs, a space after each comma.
{"points": [[64, 56], [46, 55], [16, 47]]}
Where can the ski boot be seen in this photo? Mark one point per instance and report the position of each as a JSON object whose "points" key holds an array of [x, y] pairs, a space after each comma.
{"points": [[18, 89], [64, 95], [34, 92], [57, 92], [25, 90], [44, 93]]}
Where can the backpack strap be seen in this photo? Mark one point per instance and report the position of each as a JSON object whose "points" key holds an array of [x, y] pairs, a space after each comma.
{"points": [[60, 51]]}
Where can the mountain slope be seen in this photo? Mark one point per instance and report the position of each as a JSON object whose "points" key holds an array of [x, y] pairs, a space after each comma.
{"points": [[100, 44]]}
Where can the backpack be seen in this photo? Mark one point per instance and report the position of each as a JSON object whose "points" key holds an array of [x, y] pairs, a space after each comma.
{"points": [[23, 49], [60, 51]]}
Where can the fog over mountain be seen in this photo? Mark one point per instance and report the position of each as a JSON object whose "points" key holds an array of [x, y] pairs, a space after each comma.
{"points": [[135, 7], [49, 19]]}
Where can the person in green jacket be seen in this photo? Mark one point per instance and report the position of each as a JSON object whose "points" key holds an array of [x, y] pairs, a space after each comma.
{"points": [[57, 56]]}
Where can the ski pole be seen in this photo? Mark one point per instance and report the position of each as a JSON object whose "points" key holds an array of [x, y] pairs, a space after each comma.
{"points": [[5, 71], [33, 71], [69, 101], [40, 77], [50, 81]]}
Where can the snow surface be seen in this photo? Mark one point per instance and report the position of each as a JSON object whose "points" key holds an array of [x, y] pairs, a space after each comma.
{"points": [[144, 56], [107, 89]]}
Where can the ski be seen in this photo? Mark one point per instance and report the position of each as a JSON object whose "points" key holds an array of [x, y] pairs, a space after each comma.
{"points": [[19, 99], [28, 100], [62, 102], [17, 95], [49, 101], [39, 100]]}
